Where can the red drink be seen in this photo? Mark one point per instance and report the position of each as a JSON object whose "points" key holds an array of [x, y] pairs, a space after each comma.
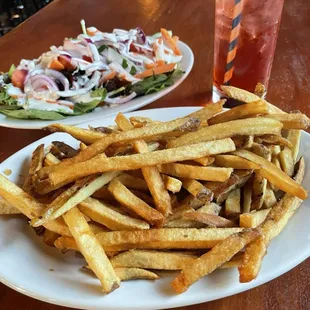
{"points": [[256, 41]]}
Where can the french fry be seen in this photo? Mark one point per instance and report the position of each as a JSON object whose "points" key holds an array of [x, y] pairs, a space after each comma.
{"points": [[287, 161], [208, 111], [165, 238], [209, 219], [222, 189], [210, 208], [275, 140], [50, 160], [270, 199], [96, 228], [208, 262], [59, 208], [259, 107], [135, 204], [294, 137], [126, 274], [196, 172], [205, 161], [198, 190], [7, 209], [253, 219], [132, 162], [178, 212], [292, 121], [274, 150], [147, 198], [176, 127], [258, 191], [91, 250], [274, 175], [83, 146], [65, 244], [261, 150], [104, 194], [274, 223], [184, 223], [151, 174], [276, 161], [243, 142], [103, 129], [140, 121], [174, 200], [133, 182], [247, 196], [248, 126], [63, 150], [153, 259], [49, 237], [248, 142], [103, 214], [192, 202], [235, 162], [245, 96], [36, 164], [27, 205], [84, 135], [232, 203], [172, 184], [260, 90]]}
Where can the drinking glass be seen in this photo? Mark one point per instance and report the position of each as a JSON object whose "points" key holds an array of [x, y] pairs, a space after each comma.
{"points": [[245, 39]]}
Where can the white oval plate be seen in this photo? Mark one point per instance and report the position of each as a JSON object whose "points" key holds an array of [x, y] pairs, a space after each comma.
{"points": [[25, 262], [100, 112]]}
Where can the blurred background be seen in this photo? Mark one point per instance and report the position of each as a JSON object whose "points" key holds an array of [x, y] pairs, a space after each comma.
{"points": [[14, 12]]}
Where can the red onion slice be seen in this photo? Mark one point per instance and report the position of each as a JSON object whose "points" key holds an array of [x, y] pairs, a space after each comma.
{"points": [[88, 86], [120, 100], [141, 37], [58, 76]]}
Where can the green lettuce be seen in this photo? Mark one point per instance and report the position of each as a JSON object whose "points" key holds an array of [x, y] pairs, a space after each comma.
{"points": [[83, 107], [155, 83], [6, 99], [34, 114]]}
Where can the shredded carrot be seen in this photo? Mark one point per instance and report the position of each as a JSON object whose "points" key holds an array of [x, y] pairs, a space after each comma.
{"points": [[109, 76], [91, 33], [158, 70], [56, 65], [170, 42], [160, 62], [175, 39], [150, 66]]}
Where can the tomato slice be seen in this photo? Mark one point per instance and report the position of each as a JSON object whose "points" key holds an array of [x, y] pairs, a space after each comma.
{"points": [[18, 78]]}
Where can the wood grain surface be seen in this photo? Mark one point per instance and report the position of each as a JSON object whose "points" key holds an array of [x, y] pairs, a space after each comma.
{"points": [[193, 22]]}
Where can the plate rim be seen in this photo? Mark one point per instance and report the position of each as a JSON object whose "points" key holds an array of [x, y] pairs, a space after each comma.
{"points": [[171, 304]]}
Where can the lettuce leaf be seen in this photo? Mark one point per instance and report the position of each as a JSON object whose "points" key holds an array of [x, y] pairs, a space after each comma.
{"points": [[6, 99], [85, 107], [155, 83], [81, 108], [34, 114]]}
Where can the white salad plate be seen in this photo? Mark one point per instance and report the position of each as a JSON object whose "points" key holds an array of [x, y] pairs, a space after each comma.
{"points": [[37, 270], [186, 65]]}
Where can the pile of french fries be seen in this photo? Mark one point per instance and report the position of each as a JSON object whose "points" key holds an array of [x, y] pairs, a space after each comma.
{"points": [[206, 191]]}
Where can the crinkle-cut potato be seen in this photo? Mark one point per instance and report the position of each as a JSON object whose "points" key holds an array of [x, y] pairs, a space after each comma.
{"points": [[206, 191]]}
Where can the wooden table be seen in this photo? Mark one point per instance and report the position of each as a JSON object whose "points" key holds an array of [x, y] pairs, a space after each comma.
{"points": [[193, 21]]}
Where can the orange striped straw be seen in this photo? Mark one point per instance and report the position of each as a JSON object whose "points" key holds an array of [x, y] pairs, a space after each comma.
{"points": [[233, 40]]}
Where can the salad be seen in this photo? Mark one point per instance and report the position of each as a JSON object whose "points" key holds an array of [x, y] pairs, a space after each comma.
{"points": [[96, 68]]}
